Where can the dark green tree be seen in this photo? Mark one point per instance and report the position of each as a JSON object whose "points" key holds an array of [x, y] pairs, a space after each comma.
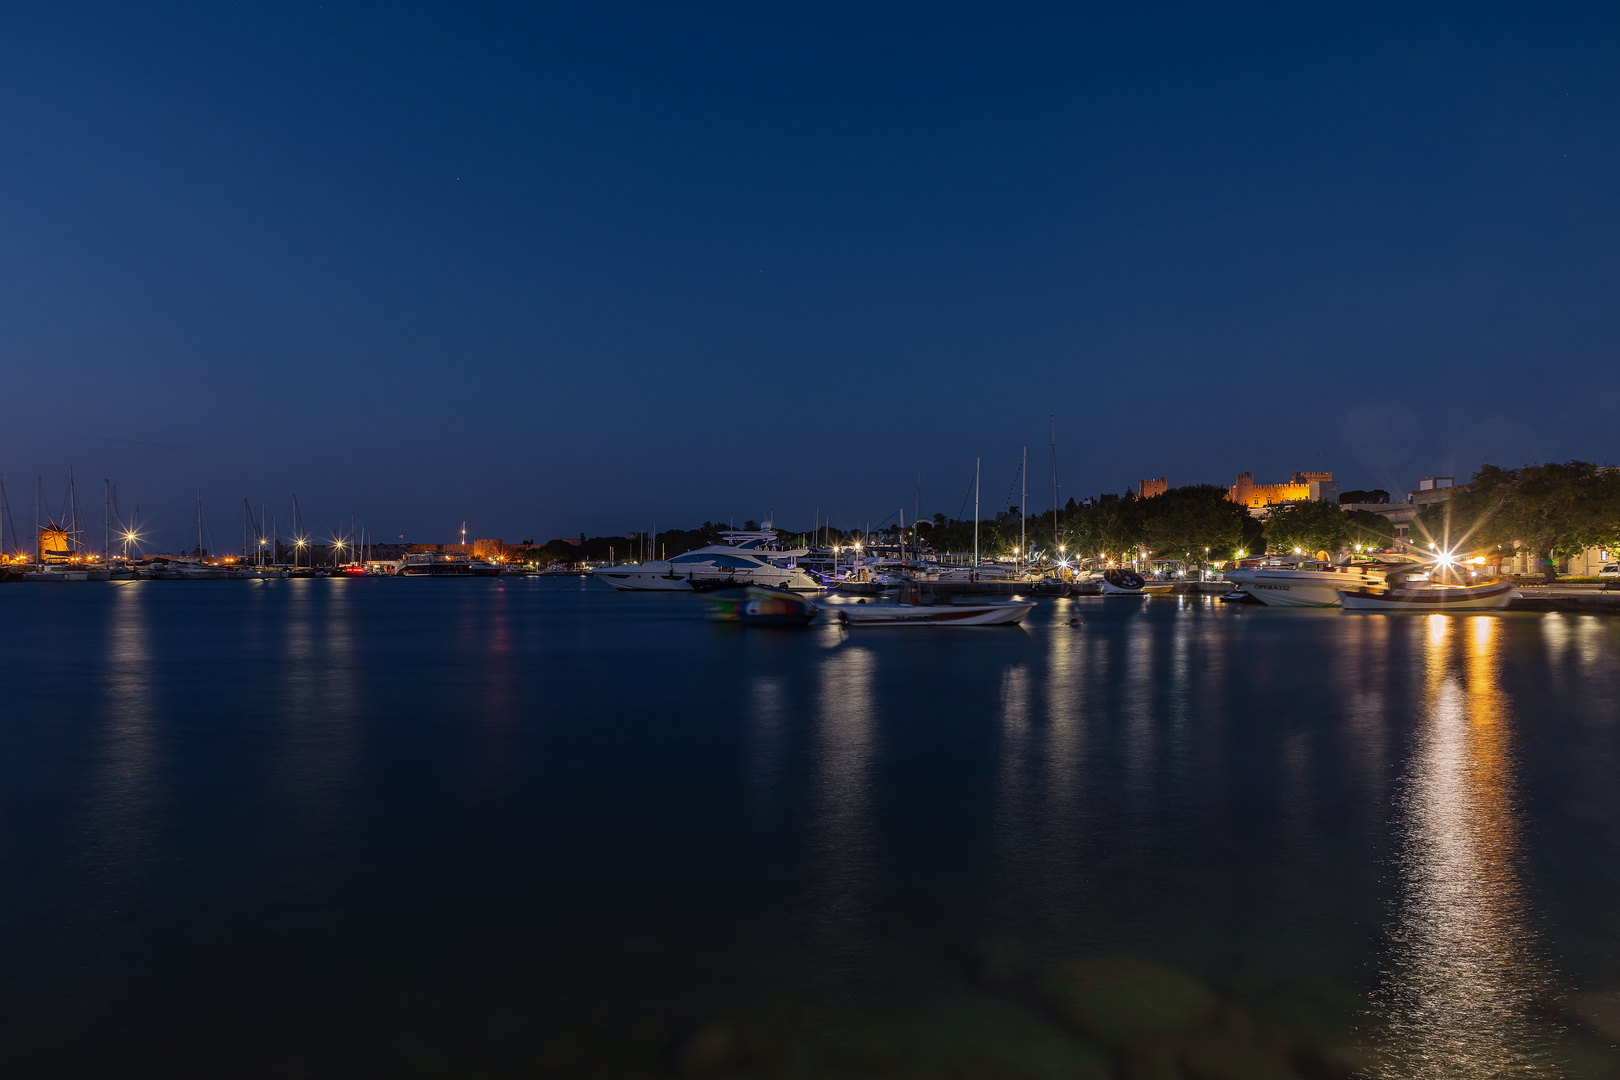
{"points": [[1195, 522], [1552, 511], [1307, 528]]}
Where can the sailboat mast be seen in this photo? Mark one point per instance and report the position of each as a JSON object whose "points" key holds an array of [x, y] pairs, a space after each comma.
{"points": [[106, 522], [916, 513], [1054, 482], [976, 511], [1023, 497]]}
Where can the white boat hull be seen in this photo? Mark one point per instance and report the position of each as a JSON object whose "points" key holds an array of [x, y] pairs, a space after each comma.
{"points": [[1492, 597], [632, 579], [1110, 589], [662, 577], [935, 615], [1302, 588], [1293, 594]]}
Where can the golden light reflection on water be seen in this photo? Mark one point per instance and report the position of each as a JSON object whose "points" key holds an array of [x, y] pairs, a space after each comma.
{"points": [[1463, 974]]}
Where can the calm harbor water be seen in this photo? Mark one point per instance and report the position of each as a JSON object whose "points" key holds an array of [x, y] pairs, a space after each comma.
{"points": [[529, 827]]}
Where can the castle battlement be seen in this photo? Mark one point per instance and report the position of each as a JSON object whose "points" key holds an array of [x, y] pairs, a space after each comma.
{"points": [[1302, 487]]}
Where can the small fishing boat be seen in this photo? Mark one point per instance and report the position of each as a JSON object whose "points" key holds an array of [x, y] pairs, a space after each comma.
{"points": [[997, 614], [1050, 587], [759, 606], [1423, 596], [1123, 582]]}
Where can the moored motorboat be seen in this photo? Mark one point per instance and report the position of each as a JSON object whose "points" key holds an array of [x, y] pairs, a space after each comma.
{"points": [[1417, 597], [757, 606], [433, 564], [1296, 583], [743, 558], [1000, 614], [1123, 582]]}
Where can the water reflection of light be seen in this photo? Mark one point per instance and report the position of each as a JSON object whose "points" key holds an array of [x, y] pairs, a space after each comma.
{"points": [[1016, 843], [1065, 734], [1363, 672], [1437, 628], [1555, 632], [318, 737], [841, 828], [765, 735], [121, 811], [1140, 749], [1464, 974]]}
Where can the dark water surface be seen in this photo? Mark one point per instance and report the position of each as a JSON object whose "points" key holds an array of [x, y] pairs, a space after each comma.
{"points": [[522, 828]]}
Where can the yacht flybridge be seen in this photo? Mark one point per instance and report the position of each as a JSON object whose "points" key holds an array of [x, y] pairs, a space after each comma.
{"points": [[741, 558]]}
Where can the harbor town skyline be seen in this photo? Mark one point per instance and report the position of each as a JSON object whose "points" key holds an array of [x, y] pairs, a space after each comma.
{"points": [[558, 270]]}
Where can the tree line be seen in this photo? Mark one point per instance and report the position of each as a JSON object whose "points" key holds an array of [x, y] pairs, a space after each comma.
{"points": [[1551, 511]]}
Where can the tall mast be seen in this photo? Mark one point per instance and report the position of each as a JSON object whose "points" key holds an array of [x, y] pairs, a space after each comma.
{"points": [[1055, 539], [76, 530], [106, 522], [976, 511], [199, 523], [39, 488], [1023, 497]]}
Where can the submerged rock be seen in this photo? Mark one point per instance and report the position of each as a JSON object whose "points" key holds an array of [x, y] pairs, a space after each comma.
{"points": [[1163, 1024], [1126, 1001]]}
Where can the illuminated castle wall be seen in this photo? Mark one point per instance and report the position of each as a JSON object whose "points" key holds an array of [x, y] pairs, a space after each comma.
{"points": [[1298, 489]]}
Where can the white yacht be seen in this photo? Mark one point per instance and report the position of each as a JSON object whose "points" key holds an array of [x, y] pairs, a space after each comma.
{"points": [[742, 558], [1293, 582]]}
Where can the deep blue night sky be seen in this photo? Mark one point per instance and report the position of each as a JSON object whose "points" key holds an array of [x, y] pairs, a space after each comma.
{"points": [[584, 270]]}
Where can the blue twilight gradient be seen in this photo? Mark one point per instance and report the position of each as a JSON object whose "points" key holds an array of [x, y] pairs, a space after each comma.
{"points": [[563, 270]]}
